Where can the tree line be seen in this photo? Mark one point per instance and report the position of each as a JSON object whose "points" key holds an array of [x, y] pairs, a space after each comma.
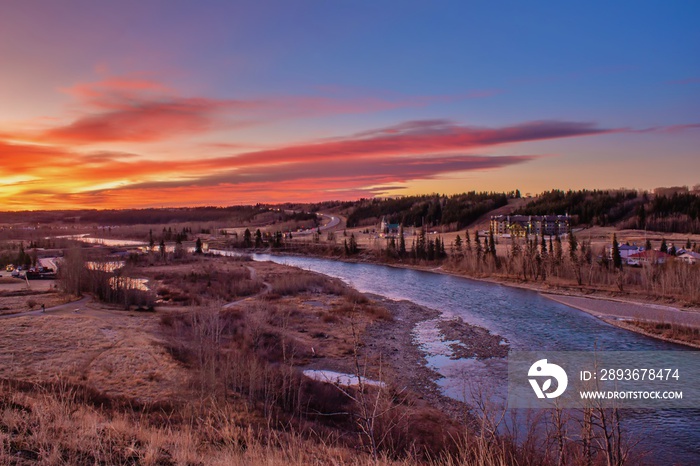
{"points": [[458, 210], [677, 212]]}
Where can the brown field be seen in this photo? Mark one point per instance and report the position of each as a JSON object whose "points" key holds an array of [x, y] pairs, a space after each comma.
{"points": [[213, 376]]}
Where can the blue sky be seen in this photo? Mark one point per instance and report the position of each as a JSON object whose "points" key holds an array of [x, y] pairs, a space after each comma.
{"points": [[589, 90]]}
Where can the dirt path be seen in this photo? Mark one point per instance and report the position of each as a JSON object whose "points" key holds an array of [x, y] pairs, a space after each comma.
{"points": [[73, 305], [266, 290]]}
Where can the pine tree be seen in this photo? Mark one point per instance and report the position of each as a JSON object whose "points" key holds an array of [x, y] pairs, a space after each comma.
{"points": [[151, 242], [258, 238], [664, 246], [543, 248], [616, 257], [402, 242], [161, 248], [247, 237], [492, 244], [458, 244], [353, 244], [468, 241], [687, 244], [421, 244], [477, 243], [198, 246], [573, 246], [558, 250], [647, 246]]}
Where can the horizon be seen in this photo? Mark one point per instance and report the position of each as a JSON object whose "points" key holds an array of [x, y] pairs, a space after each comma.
{"points": [[175, 105], [690, 189]]}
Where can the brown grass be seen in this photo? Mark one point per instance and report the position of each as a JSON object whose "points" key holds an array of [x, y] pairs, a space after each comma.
{"points": [[669, 331], [211, 385]]}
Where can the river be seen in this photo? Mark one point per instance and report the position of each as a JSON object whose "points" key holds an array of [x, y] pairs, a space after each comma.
{"points": [[528, 321]]}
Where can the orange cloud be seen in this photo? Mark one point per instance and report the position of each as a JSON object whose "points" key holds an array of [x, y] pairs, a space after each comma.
{"points": [[418, 150]]}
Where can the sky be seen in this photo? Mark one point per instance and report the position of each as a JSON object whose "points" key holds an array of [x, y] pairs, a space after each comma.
{"points": [[136, 104]]}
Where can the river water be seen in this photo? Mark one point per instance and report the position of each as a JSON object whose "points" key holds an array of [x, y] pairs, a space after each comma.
{"points": [[528, 321]]}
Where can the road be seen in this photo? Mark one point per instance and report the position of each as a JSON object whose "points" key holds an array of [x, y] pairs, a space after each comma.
{"points": [[333, 222]]}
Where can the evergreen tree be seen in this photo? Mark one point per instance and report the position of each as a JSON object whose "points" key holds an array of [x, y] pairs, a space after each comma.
{"points": [[247, 238], [543, 247], [647, 246], [616, 257], [352, 246], [198, 246], [558, 250], [151, 241], [664, 246], [258, 238], [21, 257], [672, 250], [402, 242], [641, 217], [421, 244], [573, 246], [161, 248], [477, 244], [458, 244], [687, 244], [468, 241]]}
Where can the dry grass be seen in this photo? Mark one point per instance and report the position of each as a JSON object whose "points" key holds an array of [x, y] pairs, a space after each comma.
{"points": [[12, 302], [112, 351], [208, 385], [38, 426], [669, 331], [202, 282]]}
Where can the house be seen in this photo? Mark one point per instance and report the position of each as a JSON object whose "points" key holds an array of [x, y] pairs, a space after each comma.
{"points": [[388, 230], [649, 256], [690, 257], [626, 251]]}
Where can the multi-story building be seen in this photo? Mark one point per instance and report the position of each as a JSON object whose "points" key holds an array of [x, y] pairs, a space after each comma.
{"points": [[519, 225]]}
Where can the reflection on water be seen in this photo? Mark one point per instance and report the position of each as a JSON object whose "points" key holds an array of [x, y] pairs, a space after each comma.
{"points": [[85, 238]]}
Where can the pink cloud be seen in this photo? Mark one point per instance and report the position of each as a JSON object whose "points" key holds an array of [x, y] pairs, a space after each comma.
{"points": [[143, 110]]}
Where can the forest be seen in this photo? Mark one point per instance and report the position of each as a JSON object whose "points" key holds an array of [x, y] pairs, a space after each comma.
{"points": [[457, 211], [673, 212]]}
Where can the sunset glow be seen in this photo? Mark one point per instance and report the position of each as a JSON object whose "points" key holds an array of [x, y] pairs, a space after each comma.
{"points": [[112, 105]]}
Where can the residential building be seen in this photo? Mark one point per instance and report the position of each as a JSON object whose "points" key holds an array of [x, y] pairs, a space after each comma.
{"points": [[519, 225], [649, 256]]}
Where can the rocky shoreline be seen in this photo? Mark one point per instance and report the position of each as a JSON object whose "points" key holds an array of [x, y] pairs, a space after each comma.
{"points": [[394, 342]]}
